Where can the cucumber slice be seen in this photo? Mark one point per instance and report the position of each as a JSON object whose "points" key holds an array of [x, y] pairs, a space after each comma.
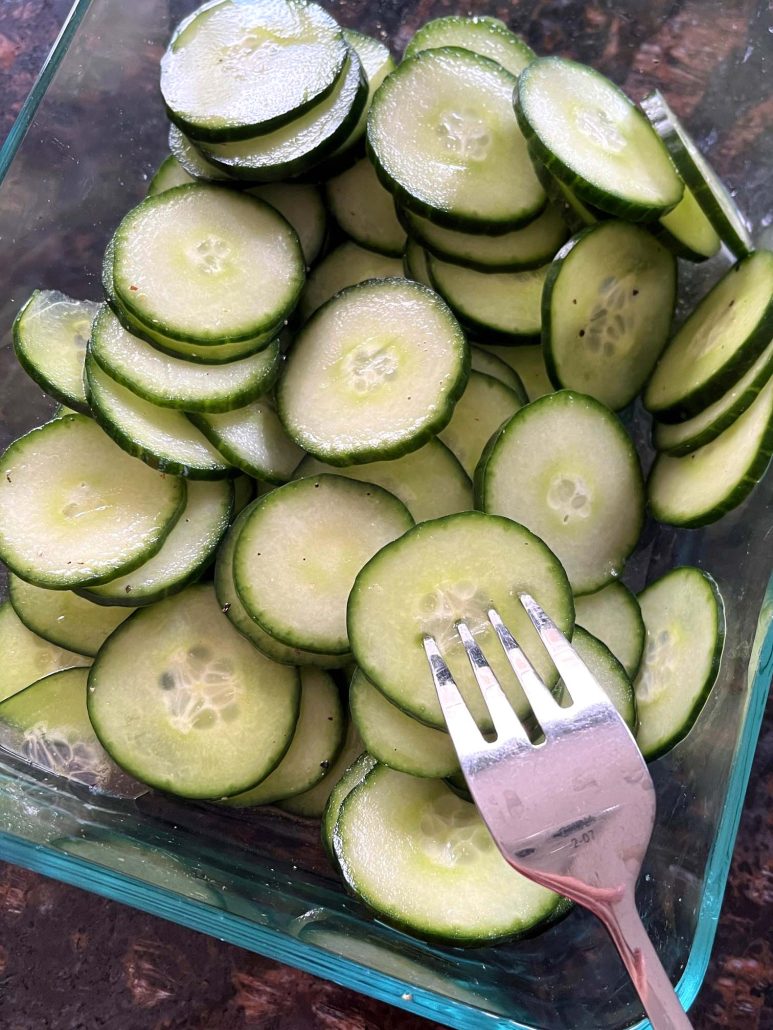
{"points": [[576, 214], [500, 305], [170, 173], [591, 137], [415, 263], [445, 141], [710, 193], [490, 365], [62, 410], [606, 311], [207, 265], [28, 657], [488, 37], [705, 484], [302, 206], [232, 606], [62, 617], [438, 573], [365, 210], [377, 63], [345, 266], [192, 160], [612, 614], [160, 437], [353, 776], [430, 482], [47, 725], [253, 440], [244, 492], [234, 70], [717, 343], [299, 551], [75, 510], [186, 552], [311, 803], [529, 365], [685, 620], [374, 374], [687, 231], [608, 672], [50, 334], [394, 738], [173, 382], [297, 147], [682, 437], [565, 467], [424, 861], [181, 667], [518, 250], [483, 407], [318, 737]]}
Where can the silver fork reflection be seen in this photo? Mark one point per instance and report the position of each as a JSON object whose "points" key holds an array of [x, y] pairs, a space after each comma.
{"points": [[573, 812]]}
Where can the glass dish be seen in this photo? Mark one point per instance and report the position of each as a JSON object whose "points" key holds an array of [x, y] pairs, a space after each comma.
{"points": [[80, 155]]}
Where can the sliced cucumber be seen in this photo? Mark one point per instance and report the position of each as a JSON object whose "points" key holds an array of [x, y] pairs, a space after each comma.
{"points": [[353, 776], [50, 334], [206, 265], [682, 437], [710, 193], [62, 617], [576, 214], [318, 737], [374, 374], [565, 467], [424, 861], [445, 141], [430, 482], [415, 263], [345, 266], [174, 382], [365, 210], [394, 738], [485, 404], [705, 484], [184, 555], [299, 551], [490, 365], [687, 231], [244, 492], [717, 344], [75, 510], [191, 159], [612, 614], [311, 803], [529, 365], [608, 672], [685, 620], [606, 311], [591, 137], [170, 173], [183, 702], [47, 724], [160, 437], [513, 251], [28, 657], [438, 573], [301, 204], [234, 70], [499, 305], [488, 37]]}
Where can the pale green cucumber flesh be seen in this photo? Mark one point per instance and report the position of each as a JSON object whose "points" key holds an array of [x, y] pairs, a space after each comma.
{"points": [[613, 615], [252, 439], [347, 265], [483, 407], [28, 657], [364, 209], [608, 673], [486, 36], [529, 365], [170, 173], [353, 775], [311, 803], [301, 204]]}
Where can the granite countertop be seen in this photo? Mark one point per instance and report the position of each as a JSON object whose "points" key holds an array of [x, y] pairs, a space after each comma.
{"points": [[73, 961]]}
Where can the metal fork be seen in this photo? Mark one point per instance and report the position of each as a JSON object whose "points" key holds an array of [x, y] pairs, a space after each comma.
{"points": [[573, 812]]}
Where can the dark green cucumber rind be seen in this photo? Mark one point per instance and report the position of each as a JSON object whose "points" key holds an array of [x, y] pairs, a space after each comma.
{"points": [[681, 731], [587, 641], [35, 374], [426, 432], [204, 171], [49, 634], [586, 191], [354, 775], [231, 455], [576, 214], [414, 250], [664, 122]]}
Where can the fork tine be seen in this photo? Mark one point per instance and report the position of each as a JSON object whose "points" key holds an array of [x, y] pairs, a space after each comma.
{"points": [[545, 707], [506, 722], [464, 731]]}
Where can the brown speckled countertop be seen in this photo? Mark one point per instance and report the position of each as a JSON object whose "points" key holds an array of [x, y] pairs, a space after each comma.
{"points": [[73, 961]]}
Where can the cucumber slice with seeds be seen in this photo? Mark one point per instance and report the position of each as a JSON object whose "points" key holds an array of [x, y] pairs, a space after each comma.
{"points": [[300, 549], [311, 803], [62, 617], [606, 311], [529, 365], [608, 672], [374, 374], [687, 231], [28, 657], [565, 467], [612, 614], [75, 510], [365, 210], [489, 364], [718, 342], [354, 775], [302, 206], [685, 620], [50, 334], [589, 135], [173, 382], [170, 173], [253, 439], [345, 266], [483, 407], [445, 141], [234, 70], [488, 37]]}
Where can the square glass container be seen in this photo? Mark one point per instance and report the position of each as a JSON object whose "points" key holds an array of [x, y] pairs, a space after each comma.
{"points": [[79, 156]]}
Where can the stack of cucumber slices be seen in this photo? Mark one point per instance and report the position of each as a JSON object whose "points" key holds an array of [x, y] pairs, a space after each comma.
{"points": [[354, 378]]}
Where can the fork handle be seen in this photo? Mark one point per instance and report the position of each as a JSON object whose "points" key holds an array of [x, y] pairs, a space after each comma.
{"points": [[650, 979]]}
